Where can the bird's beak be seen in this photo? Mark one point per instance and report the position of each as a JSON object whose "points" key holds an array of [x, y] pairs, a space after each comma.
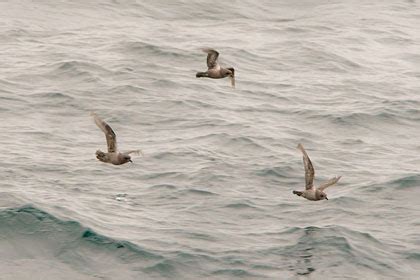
{"points": [[326, 198], [130, 160]]}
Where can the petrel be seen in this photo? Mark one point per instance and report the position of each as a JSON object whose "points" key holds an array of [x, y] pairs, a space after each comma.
{"points": [[113, 156], [310, 191], [215, 71]]}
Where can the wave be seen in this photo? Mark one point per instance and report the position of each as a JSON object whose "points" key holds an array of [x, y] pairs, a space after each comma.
{"points": [[54, 97], [275, 172], [182, 105], [75, 65], [148, 48], [313, 246], [76, 70], [228, 141], [28, 232], [241, 205], [233, 273], [406, 182], [367, 119], [163, 187], [328, 60], [196, 192]]}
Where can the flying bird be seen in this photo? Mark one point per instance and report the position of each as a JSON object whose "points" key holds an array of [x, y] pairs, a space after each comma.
{"points": [[215, 71], [310, 192], [113, 156]]}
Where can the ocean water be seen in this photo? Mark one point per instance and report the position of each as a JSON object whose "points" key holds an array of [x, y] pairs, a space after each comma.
{"points": [[212, 196]]}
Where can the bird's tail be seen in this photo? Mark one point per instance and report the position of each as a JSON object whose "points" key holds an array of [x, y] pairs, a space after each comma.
{"points": [[297, 193], [201, 74], [100, 155], [232, 70]]}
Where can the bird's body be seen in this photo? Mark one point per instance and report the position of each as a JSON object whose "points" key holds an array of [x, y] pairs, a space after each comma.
{"points": [[310, 192], [113, 156], [215, 71]]}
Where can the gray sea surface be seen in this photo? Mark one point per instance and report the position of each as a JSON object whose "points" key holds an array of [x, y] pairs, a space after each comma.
{"points": [[212, 196]]}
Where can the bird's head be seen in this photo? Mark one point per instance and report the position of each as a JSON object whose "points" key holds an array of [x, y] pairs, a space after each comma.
{"points": [[127, 158], [323, 195]]}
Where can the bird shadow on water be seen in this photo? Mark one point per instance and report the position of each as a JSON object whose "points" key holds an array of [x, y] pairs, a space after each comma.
{"points": [[302, 253], [304, 265]]}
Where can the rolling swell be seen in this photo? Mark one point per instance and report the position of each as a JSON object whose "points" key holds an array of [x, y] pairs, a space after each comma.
{"points": [[76, 70], [212, 197], [313, 245], [28, 232]]}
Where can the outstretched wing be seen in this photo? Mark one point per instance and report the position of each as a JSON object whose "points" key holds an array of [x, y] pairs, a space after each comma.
{"points": [[111, 138], [212, 56], [328, 183], [309, 169], [138, 152]]}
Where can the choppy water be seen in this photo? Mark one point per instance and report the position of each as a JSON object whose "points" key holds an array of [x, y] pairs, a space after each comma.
{"points": [[212, 197]]}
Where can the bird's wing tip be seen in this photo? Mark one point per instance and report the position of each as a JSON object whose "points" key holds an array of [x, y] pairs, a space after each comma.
{"points": [[208, 50]]}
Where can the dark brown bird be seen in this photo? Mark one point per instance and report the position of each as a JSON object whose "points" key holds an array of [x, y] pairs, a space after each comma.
{"points": [[113, 156], [215, 71]]}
